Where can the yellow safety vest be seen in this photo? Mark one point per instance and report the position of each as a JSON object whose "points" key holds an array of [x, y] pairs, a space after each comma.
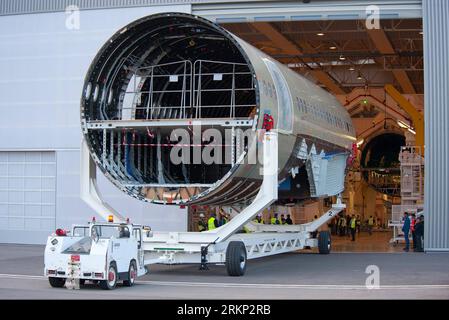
{"points": [[211, 223], [353, 224], [273, 220], [370, 221]]}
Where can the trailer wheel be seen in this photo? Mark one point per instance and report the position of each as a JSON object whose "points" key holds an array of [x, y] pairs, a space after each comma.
{"points": [[236, 259], [132, 274], [324, 242], [56, 282], [111, 281]]}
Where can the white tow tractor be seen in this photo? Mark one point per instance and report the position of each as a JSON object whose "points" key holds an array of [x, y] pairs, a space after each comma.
{"points": [[100, 252], [104, 253]]}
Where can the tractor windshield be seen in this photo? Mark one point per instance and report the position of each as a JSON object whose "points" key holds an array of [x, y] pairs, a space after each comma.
{"points": [[82, 246]]}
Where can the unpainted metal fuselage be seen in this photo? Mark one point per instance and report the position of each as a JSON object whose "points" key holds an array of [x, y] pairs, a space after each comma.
{"points": [[302, 113]]}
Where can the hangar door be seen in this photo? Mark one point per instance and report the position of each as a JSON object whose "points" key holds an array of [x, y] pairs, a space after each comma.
{"points": [[27, 195]]}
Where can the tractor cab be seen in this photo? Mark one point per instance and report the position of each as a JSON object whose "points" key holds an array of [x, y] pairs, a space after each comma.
{"points": [[104, 253]]}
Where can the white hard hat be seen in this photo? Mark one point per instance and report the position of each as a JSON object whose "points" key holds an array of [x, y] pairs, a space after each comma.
{"points": [[201, 215]]}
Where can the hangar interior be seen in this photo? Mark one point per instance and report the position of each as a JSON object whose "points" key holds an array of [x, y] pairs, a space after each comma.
{"points": [[355, 64]]}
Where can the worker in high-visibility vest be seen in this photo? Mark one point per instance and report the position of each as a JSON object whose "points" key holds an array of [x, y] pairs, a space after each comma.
{"points": [[259, 219], [275, 220], [202, 226], [353, 226], [370, 225], [283, 219], [212, 223]]}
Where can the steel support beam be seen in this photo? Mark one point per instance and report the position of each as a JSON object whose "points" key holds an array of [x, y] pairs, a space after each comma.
{"points": [[277, 38], [383, 44], [418, 119], [290, 48], [404, 80], [325, 79]]}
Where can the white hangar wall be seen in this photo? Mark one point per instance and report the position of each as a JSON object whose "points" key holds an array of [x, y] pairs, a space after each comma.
{"points": [[42, 69]]}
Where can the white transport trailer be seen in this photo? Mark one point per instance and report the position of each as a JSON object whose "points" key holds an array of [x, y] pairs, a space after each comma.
{"points": [[107, 258]]}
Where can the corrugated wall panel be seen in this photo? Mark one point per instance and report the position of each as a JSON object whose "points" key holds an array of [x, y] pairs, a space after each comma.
{"points": [[297, 10], [436, 87], [8, 7], [220, 9]]}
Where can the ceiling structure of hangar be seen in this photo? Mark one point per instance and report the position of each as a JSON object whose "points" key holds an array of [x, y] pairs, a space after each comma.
{"points": [[342, 55], [354, 63], [351, 61]]}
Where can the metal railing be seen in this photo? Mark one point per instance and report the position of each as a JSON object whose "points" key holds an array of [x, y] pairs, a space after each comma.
{"points": [[143, 101], [182, 90], [397, 211], [388, 183]]}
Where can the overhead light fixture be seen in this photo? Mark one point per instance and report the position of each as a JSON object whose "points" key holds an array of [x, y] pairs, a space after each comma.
{"points": [[359, 76], [351, 69], [421, 33], [342, 58], [412, 131], [320, 34], [403, 125], [333, 48]]}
